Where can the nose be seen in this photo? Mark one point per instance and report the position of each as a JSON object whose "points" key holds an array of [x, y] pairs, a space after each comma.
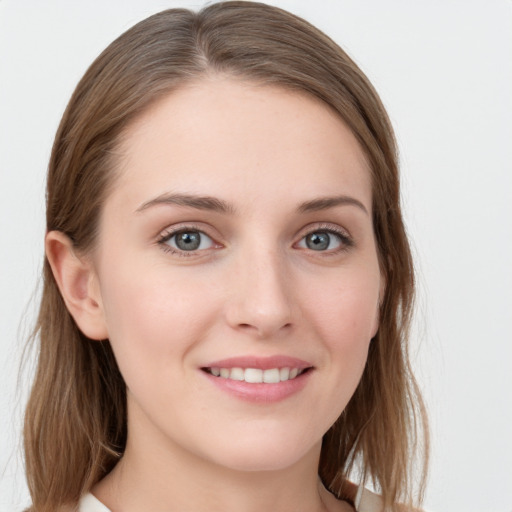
{"points": [[260, 300]]}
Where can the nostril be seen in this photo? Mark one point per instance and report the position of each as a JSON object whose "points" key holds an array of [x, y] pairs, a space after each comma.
{"points": [[264, 331]]}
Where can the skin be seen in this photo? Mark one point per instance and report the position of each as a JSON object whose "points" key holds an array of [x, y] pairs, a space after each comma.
{"points": [[253, 288]]}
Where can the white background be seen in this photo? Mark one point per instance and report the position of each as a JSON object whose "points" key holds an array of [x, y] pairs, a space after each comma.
{"points": [[444, 71]]}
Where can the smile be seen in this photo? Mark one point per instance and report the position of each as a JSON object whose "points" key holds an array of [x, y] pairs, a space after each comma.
{"points": [[259, 379], [256, 375]]}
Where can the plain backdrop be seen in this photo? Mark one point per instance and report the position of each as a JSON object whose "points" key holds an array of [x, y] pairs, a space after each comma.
{"points": [[444, 71]]}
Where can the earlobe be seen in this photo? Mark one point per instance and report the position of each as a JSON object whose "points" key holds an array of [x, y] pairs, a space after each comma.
{"points": [[77, 282]]}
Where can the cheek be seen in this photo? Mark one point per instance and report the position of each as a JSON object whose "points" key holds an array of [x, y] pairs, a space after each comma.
{"points": [[154, 317], [345, 317], [347, 304]]}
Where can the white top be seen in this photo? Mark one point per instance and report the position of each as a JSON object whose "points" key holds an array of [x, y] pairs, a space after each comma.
{"points": [[366, 501], [90, 503]]}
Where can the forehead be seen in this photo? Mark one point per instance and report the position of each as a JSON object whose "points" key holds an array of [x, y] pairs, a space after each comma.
{"points": [[232, 139]]}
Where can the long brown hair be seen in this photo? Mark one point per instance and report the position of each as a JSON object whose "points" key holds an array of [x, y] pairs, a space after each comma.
{"points": [[75, 423]]}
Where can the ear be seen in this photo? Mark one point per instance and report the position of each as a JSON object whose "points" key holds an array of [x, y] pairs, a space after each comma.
{"points": [[78, 285]]}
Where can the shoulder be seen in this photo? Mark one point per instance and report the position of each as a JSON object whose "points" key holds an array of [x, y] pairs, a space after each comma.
{"points": [[90, 503], [368, 501]]}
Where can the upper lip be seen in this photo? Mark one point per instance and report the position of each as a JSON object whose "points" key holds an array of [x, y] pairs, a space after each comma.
{"points": [[262, 363]]}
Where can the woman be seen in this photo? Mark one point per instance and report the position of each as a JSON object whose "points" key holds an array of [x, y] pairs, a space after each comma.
{"points": [[228, 284]]}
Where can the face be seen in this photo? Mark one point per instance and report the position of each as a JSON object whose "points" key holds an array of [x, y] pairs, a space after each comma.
{"points": [[238, 273]]}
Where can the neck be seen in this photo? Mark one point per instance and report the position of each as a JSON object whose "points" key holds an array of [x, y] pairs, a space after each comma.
{"points": [[155, 474], [147, 483]]}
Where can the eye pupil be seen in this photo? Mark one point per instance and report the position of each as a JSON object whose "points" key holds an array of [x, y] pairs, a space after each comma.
{"points": [[318, 241], [188, 241]]}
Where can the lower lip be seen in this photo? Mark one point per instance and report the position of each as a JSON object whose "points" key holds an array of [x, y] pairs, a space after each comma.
{"points": [[260, 392]]}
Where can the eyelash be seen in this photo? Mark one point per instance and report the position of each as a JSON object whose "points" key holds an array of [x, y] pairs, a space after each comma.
{"points": [[169, 233], [346, 241]]}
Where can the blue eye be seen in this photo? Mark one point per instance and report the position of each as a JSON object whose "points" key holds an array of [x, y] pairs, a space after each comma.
{"points": [[188, 240], [321, 241]]}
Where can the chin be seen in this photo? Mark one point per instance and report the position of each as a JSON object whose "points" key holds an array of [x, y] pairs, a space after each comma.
{"points": [[270, 454]]}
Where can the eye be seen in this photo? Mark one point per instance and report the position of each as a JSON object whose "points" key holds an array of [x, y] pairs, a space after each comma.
{"points": [[324, 240], [187, 240]]}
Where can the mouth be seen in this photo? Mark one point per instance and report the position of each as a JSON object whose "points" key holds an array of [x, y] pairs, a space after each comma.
{"points": [[258, 379], [257, 375]]}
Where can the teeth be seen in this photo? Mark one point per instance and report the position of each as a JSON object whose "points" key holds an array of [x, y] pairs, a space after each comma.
{"points": [[237, 374], [255, 375], [271, 376]]}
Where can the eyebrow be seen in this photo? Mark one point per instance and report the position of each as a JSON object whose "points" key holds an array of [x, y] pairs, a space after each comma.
{"points": [[190, 200], [219, 205], [324, 203]]}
